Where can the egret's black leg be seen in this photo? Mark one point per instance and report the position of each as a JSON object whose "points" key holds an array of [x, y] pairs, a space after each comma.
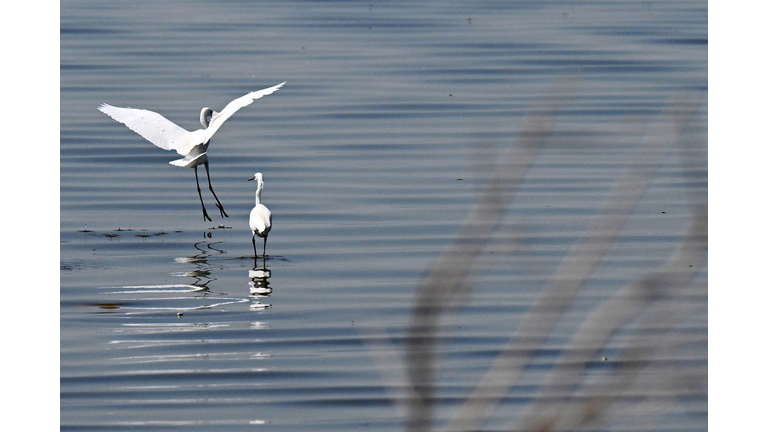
{"points": [[218, 203], [205, 213], [253, 240], [264, 254]]}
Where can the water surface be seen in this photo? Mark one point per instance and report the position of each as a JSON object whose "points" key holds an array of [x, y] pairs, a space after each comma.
{"points": [[374, 155]]}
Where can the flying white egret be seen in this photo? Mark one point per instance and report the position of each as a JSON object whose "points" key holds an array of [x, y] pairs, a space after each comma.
{"points": [[261, 218], [192, 145]]}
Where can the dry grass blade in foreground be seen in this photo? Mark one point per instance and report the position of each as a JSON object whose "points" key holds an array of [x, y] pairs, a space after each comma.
{"points": [[668, 284], [438, 293], [440, 288]]}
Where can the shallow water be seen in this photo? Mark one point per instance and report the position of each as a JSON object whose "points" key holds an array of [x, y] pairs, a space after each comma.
{"points": [[374, 155]]}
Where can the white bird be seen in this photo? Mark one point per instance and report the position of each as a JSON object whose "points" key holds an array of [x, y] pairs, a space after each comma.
{"points": [[261, 218], [192, 145]]}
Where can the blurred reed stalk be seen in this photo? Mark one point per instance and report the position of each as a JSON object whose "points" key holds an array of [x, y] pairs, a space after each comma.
{"points": [[440, 289]]}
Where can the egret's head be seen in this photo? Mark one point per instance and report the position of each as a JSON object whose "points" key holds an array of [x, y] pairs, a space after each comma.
{"points": [[205, 116], [258, 177]]}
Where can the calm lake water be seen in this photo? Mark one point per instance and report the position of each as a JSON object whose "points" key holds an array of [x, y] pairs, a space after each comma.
{"points": [[375, 154]]}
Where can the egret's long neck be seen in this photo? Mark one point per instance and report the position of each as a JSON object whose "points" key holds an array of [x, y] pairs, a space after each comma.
{"points": [[204, 113], [258, 192]]}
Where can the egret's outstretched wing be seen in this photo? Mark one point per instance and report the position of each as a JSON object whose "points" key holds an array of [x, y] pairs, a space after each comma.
{"points": [[219, 118], [152, 126]]}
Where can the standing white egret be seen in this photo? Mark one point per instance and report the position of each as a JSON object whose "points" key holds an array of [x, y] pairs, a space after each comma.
{"points": [[192, 145], [261, 218]]}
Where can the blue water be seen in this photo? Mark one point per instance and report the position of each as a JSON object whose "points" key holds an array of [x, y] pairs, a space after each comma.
{"points": [[374, 154]]}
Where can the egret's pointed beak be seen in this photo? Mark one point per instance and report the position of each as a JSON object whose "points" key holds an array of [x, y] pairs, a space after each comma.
{"points": [[252, 178]]}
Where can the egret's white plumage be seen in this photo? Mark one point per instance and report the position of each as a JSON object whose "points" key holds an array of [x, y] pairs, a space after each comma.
{"points": [[261, 218], [192, 145]]}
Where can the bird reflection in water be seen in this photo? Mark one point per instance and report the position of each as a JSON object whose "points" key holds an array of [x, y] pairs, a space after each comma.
{"points": [[202, 272], [178, 298], [259, 286]]}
